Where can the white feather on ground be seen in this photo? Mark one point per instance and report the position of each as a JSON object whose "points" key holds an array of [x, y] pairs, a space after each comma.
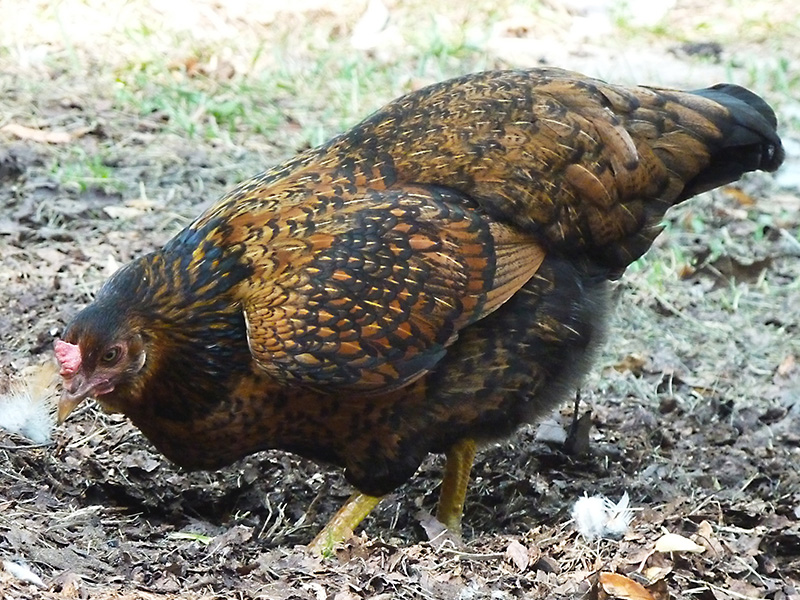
{"points": [[598, 517], [29, 407], [23, 573]]}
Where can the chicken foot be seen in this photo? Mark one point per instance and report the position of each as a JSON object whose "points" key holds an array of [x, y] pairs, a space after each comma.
{"points": [[454, 484]]}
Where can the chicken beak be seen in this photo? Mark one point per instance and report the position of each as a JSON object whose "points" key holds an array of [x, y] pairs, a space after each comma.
{"points": [[76, 388], [66, 405]]}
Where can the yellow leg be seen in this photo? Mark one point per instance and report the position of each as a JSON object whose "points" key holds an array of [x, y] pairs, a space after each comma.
{"points": [[342, 524], [454, 484]]}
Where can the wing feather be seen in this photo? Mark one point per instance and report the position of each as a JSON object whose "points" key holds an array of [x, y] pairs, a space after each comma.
{"points": [[371, 299]]}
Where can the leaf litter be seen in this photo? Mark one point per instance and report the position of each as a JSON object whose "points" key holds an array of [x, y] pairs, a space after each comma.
{"points": [[692, 409]]}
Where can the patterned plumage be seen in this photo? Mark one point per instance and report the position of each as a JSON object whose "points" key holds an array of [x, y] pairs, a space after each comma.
{"points": [[435, 275]]}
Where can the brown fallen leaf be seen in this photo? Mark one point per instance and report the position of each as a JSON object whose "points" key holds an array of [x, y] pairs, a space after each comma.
{"points": [[438, 535], [633, 363], [705, 535], [656, 573], [140, 460], [517, 554], [235, 536], [740, 196], [68, 584], [37, 135], [659, 590], [619, 586], [729, 268]]}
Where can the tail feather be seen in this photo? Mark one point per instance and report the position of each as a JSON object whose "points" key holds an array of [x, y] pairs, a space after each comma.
{"points": [[749, 142]]}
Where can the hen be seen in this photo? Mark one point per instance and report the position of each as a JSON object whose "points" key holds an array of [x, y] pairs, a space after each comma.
{"points": [[431, 279]]}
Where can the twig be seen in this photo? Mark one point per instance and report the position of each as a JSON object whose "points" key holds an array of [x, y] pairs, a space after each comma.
{"points": [[28, 447], [473, 555], [80, 442], [749, 568], [788, 236], [707, 500]]}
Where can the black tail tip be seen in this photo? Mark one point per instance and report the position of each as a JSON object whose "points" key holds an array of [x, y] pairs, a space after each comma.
{"points": [[754, 101], [754, 117]]}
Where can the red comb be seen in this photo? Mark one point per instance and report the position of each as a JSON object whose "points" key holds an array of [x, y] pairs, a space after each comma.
{"points": [[68, 356]]}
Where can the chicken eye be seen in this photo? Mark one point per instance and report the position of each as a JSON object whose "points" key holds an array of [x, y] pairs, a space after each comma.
{"points": [[111, 355]]}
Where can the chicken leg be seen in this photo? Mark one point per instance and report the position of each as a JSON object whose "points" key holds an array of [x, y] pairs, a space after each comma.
{"points": [[451, 501], [454, 484], [342, 524]]}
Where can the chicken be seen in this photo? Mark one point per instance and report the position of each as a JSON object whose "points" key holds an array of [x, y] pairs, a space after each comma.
{"points": [[429, 280]]}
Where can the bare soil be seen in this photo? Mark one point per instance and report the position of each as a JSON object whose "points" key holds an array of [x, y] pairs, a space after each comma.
{"points": [[694, 401]]}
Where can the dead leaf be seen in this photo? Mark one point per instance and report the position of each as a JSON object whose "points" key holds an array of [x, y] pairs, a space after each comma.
{"points": [[355, 547], [577, 442], [37, 135], [787, 365], [619, 586], [705, 534], [546, 564], [517, 554], [140, 460], [685, 271], [659, 590], [656, 573], [672, 542], [633, 363], [438, 535], [122, 212], [740, 196], [739, 588], [68, 584], [317, 590], [236, 536], [727, 268]]}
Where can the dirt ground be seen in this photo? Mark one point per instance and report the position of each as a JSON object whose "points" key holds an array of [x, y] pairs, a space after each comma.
{"points": [[694, 400]]}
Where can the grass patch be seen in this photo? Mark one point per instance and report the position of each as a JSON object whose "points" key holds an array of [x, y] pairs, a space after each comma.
{"points": [[194, 94], [79, 171], [199, 106]]}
